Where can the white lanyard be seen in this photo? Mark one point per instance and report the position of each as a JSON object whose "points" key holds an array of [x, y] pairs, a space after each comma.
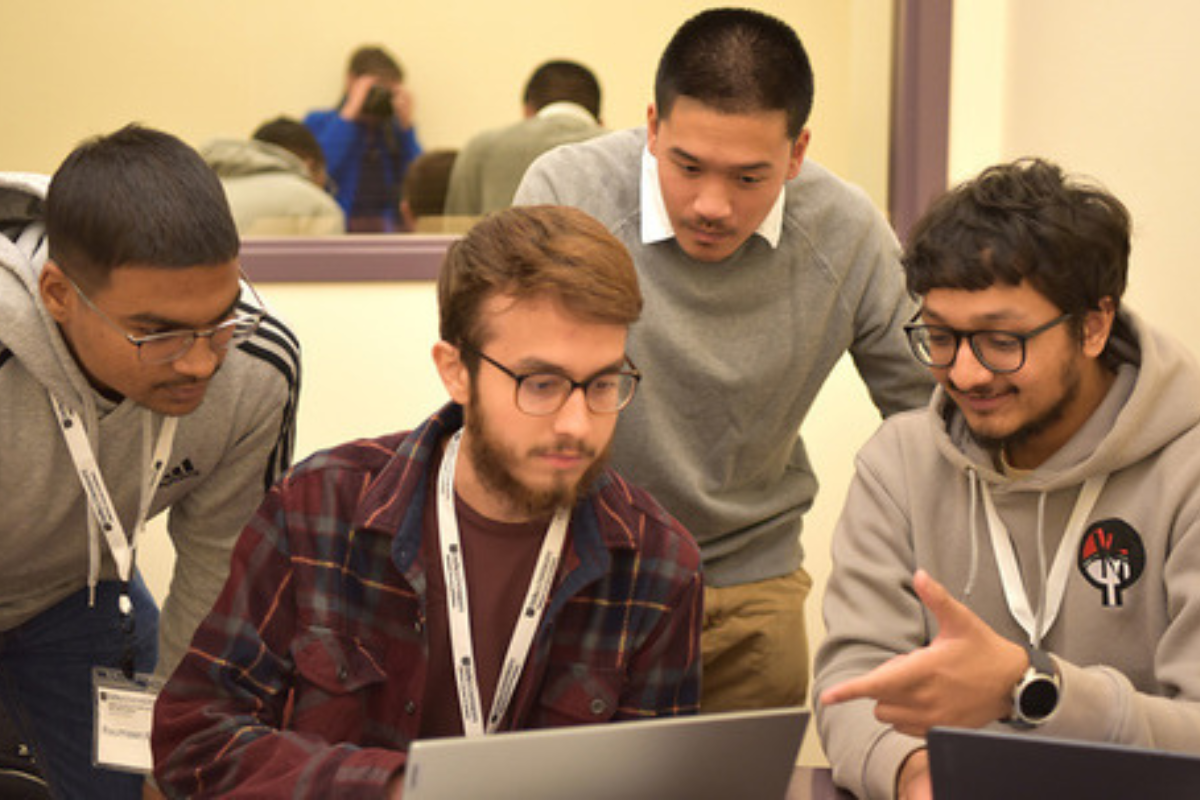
{"points": [[1036, 626], [460, 616], [99, 501]]}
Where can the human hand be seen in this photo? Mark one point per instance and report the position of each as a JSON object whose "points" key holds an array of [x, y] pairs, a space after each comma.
{"points": [[964, 677], [402, 105], [914, 781], [357, 89]]}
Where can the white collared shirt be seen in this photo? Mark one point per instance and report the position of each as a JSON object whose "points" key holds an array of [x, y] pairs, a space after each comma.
{"points": [[564, 108], [656, 223]]}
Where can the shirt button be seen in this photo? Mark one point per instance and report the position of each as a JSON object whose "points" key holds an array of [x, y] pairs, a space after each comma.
{"points": [[598, 706], [418, 627], [410, 708], [342, 673]]}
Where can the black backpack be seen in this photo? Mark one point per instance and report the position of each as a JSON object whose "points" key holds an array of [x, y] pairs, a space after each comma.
{"points": [[20, 778]]}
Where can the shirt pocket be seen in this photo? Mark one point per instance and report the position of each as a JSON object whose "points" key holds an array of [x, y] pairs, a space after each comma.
{"points": [[337, 676], [579, 694]]}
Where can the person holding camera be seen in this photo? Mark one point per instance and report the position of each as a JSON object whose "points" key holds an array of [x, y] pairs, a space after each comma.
{"points": [[369, 140]]}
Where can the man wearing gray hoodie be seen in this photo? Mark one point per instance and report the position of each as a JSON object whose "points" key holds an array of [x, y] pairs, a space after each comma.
{"points": [[1023, 554], [138, 374]]}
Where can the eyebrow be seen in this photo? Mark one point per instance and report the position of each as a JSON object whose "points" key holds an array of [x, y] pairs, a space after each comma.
{"points": [[535, 366], [154, 320], [751, 167], [997, 318]]}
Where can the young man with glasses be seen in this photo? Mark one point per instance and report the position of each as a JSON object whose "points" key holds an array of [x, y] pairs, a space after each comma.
{"points": [[485, 572], [138, 375], [1024, 553]]}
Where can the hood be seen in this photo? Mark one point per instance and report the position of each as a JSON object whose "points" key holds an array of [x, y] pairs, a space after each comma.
{"points": [[26, 328], [1150, 404], [235, 158]]}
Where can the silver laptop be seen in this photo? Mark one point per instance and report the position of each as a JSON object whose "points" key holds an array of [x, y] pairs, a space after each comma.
{"points": [[728, 756], [986, 765]]}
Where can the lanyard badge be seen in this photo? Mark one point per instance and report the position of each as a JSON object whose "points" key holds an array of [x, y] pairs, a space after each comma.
{"points": [[458, 609]]}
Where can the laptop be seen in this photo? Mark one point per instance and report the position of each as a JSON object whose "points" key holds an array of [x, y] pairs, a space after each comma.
{"points": [[737, 755], [986, 765]]}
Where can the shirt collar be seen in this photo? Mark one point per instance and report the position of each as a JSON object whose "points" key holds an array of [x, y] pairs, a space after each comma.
{"points": [[656, 224], [564, 108]]}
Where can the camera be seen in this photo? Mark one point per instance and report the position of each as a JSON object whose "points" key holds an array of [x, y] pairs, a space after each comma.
{"points": [[378, 103]]}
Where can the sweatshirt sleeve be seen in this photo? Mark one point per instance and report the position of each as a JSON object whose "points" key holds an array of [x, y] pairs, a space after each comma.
{"points": [[205, 524], [871, 614]]}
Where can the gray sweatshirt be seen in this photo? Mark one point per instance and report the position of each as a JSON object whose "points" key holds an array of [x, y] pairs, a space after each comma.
{"points": [[734, 353], [1126, 638], [224, 454]]}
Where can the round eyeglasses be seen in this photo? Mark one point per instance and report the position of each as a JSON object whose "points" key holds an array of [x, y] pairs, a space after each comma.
{"points": [[1001, 352], [540, 394]]}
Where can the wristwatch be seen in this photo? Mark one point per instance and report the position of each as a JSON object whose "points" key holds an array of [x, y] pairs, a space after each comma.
{"points": [[1036, 694]]}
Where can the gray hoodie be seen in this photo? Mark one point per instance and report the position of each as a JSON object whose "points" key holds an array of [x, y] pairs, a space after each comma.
{"points": [[224, 456], [1127, 647]]}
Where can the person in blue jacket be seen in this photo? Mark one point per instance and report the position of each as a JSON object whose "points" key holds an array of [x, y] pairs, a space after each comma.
{"points": [[369, 141]]}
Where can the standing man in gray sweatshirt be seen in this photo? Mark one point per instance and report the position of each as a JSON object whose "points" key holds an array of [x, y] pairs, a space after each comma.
{"points": [[139, 374], [760, 270]]}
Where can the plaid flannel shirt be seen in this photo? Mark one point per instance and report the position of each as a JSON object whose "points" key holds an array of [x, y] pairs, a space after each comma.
{"points": [[306, 679]]}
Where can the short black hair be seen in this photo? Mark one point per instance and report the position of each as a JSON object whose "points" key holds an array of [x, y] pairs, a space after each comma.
{"points": [[737, 61], [559, 81], [427, 181], [374, 60], [137, 197], [293, 136]]}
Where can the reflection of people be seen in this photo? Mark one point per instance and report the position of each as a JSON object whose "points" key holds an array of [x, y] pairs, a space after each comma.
{"points": [[759, 275], [424, 193], [274, 181], [1044, 503], [369, 140], [130, 363], [561, 104], [334, 642]]}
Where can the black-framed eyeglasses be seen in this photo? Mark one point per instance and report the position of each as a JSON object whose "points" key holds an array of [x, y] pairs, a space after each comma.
{"points": [[1001, 352], [163, 348], [542, 393]]}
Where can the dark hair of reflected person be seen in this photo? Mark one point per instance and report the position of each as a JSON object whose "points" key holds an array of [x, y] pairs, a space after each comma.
{"points": [[1025, 221], [533, 252], [737, 61], [293, 136], [141, 197], [375, 60], [427, 181], [563, 81]]}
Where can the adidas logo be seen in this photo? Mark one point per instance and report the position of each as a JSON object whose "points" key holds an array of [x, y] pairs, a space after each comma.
{"points": [[180, 473]]}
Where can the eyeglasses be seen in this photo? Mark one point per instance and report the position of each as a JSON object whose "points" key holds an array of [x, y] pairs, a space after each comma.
{"points": [[163, 348], [542, 393], [1001, 352]]}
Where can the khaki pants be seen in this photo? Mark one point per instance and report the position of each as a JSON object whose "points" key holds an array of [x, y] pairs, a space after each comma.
{"points": [[755, 644]]}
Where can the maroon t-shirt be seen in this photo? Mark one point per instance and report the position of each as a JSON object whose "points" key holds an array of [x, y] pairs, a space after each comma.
{"points": [[499, 558]]}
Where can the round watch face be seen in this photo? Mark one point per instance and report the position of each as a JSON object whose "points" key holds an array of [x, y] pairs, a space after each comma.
{"points": [[1038, 698]]}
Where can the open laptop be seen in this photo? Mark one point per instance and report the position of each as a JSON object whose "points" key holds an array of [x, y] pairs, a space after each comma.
{"points": [[986, 765], [728, 756]]}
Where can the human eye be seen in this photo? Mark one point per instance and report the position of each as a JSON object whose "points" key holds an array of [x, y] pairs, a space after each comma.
{"points": [[751, 179], [1000, 342], [543, 385], [939, 337]]}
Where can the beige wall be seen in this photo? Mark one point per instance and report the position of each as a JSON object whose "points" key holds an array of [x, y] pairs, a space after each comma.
{"points": [[219, 68]]}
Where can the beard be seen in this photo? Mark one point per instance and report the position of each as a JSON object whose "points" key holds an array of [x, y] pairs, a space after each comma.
{"points": [[493, 463], [1070, 380]]}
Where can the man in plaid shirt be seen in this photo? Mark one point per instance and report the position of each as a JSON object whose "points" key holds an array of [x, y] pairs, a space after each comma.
{"points": [[492, 537]]}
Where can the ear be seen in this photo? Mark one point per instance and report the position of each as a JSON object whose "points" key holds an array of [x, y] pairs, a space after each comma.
{"points": [[1097, 327], [57, 295], [799, 148], [453, 372], [652, 128]]}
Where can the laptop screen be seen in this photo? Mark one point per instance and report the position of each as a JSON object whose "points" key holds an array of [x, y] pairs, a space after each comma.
{"points": [[743, 755], [987, 765]]}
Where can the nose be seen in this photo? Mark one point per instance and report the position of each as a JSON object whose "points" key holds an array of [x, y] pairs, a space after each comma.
{"points": [[200, 361], [712, 200], [966, 372], [574, 419]]}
